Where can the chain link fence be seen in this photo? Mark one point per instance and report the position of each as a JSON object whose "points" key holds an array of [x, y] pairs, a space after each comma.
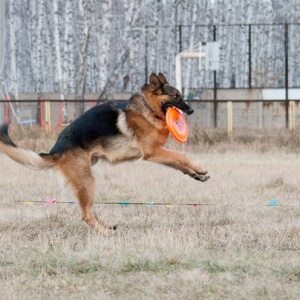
{"points": [[246, 114], [53, 115]]}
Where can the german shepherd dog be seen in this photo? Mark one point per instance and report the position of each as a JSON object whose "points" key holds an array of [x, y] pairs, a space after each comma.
{"points": [[117, 132]]}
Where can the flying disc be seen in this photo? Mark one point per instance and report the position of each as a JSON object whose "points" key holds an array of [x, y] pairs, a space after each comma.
{"points": [[177, 125]]}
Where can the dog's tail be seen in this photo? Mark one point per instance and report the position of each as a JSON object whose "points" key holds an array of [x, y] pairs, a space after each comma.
{"points": [[25, 157]]}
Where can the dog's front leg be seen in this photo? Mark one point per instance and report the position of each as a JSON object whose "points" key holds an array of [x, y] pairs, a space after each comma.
{"points": [[177, 161]]}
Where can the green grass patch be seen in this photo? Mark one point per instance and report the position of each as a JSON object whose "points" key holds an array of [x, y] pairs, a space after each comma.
{"points": [[153, 266], [212, 267], [73, 266]]}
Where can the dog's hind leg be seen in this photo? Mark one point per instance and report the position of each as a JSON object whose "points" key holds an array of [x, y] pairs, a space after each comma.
{"points": [[77, 172]]}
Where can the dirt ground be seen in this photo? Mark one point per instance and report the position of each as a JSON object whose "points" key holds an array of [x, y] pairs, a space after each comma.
{"points": [[233, 245]]}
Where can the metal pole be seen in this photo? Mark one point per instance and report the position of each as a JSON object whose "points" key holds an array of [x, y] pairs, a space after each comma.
{"points": [[286, 50], [2, 25], [146, 55], [180, 38], [250, 58], [179, 57], [215, 85]]}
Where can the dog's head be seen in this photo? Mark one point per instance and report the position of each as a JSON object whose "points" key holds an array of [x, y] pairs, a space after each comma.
{"points": [[167, 96]]}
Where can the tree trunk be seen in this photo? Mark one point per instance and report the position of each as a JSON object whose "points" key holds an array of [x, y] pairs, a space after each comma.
{"points": [[104, 41], [58, 49], [191, 62], [81, 73], [131, 11], [13, 51]]}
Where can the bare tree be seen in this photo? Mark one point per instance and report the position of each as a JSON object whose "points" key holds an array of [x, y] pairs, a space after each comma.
{"points": [[152, 37], [13, 53], [105, 41], [131, 11], [85, 7], [59, 45], [58, 48], [69, 47], [192, 41]]}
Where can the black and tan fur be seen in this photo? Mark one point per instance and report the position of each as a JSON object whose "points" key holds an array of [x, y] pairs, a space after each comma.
{"points": [[134, 129]]}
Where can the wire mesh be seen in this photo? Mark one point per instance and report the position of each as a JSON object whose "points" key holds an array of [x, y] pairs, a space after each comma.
{"points": [[207, 114]]}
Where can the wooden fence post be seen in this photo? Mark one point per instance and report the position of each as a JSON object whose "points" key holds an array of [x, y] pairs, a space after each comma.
{"points": [[229, 119], [48, 116], [292, 117]]}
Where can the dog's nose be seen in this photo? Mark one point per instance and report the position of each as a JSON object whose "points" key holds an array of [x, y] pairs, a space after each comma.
{"points": [[190, 111]]}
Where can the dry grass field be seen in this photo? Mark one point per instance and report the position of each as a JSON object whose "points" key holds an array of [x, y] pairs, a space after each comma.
{"points": [[236, 247]]}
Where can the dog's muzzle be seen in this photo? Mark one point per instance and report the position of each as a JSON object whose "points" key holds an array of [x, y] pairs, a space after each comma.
{"points": [[189, 111], [181, 106]]}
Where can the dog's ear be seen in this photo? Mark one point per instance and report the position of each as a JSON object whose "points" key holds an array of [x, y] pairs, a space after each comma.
{"points": [[155, 83], [162, 78]]}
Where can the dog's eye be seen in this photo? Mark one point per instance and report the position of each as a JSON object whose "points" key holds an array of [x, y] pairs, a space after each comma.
{"points": [[175, 96]]}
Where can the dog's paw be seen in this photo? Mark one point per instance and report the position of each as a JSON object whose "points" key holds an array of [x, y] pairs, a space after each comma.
{"points": [[200, 170], [113, 227], [200, 177], [203, 172], [106, 232]]}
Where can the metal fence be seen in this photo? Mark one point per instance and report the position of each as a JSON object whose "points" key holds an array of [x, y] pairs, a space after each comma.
{"points": [[251, 55], [258, 114], [53, 115]]}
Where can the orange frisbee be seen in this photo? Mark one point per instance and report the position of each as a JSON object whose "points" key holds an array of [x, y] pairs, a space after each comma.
{"points": [[177, 125]]}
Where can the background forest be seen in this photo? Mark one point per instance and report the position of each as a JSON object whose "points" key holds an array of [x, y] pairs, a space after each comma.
{"points": [[105, 46]]}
